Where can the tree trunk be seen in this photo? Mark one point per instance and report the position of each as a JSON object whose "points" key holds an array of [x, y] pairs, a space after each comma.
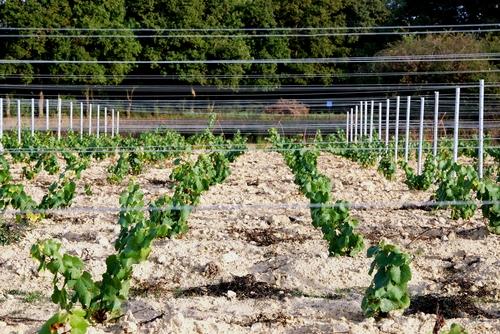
{"points": [[87, 101], [41, 101], [7, 104], [130, 98]]}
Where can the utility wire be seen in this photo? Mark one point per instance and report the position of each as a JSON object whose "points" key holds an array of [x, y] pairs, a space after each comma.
{"points": [[432, 26], [341, 60], [251, 76], [49, 34], [388, 205]]}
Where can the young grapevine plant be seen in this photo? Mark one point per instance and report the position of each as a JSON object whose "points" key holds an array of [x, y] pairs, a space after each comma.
{"points": [[458, 183], [333, 218], [81, 299], [388, 290], [489, 191], [425, 179]]}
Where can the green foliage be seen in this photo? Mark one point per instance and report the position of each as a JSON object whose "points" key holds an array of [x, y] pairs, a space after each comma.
{"points": [[75, 163], [87, 189], [387, 166], [132, 246], [80, 298], [443, 12], [338, 229], [489, 190], [131, 214], [74, 319], [455, 329], [15, 196], [458, 183], [60, 195], [71, 284], [42, 44], [4, 170], [44, 161], [388, 290], [423, 181], [436, 45], [123, 44], [237, 146], [333, 219], [118, 171], [160, 146], [169, 217]]}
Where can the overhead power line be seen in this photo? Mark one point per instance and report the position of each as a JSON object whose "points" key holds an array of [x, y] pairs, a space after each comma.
{"points": [[331, 60], [432, 26], [49, 34], [250, 76]]}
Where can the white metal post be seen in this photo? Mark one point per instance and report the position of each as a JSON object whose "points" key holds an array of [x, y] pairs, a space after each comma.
{"points": [[380, 121], [18, 121], [112, 122], [32, 117], [436, 117], [81, 120], [361, 119], [420, 136], [97, 123], [47, 104], [355, 124], [371, 120], [347, 128], [481, 127], [117, 123], [105, 121], [396, 130], [366, 118], [71, 115], [59, 111], [352, 125], [387, 101], [407, 130], [455, 124], [1, 118], [90, 118]]}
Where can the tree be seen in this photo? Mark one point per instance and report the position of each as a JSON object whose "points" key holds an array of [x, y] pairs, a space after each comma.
{"points": [[192, 14], [464, 71], [326, 13], [46, 44], [413, 12]]}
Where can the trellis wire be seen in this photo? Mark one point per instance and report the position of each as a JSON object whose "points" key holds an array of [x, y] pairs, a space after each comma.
{"points": [[375, 205]]}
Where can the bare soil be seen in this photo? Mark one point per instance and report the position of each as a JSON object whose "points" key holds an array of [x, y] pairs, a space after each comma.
{"points": [[264, 269]]}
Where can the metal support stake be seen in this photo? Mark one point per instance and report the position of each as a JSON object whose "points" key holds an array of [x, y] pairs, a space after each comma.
{"points": [[420, 136]]}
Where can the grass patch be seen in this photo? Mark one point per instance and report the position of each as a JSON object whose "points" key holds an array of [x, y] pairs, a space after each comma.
{"points": [[9, 233], [33, 297], [27, 297]]}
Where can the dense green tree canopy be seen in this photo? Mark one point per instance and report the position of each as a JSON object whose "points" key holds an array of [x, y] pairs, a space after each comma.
{"points": [[414, 12], [67, 14], [128, 17]]}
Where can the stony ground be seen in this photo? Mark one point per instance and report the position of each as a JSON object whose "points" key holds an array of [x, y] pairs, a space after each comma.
{"points": [[265, 269]]}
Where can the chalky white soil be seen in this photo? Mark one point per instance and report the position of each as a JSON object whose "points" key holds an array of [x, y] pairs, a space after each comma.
{"points": [[320, 294]]}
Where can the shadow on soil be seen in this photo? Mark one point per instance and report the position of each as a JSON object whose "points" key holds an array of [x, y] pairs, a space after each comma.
{"points": [[267, 236], [244, 287], [457, 306]]}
